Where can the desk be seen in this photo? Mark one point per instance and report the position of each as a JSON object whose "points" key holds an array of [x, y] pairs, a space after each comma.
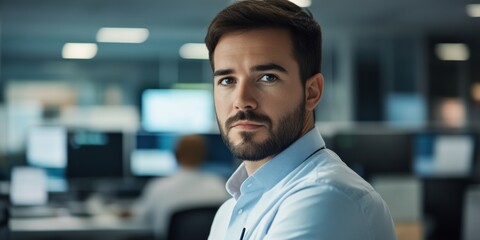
{"points": [[72, 227]]}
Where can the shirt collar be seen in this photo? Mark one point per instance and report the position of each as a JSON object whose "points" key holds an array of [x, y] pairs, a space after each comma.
{"points": [[278, 167]]}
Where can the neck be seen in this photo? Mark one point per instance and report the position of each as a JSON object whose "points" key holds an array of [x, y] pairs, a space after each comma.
{"points": [[309, 123]]}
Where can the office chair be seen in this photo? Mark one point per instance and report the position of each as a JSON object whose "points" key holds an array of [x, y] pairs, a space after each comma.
{"points": [[4, 216], [191, 223]]}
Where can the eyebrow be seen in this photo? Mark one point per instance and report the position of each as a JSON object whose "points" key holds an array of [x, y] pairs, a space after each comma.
{"points": [[268, 67], [258, 68], [222, 72]]}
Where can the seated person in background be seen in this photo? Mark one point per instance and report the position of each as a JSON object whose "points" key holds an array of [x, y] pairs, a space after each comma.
{"points": [[188, 187]]}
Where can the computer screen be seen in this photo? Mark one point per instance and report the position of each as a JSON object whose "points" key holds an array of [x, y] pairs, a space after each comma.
{"points": [[444, 154], [177, 110], [20, 117], [93, 154], [405, 110], [375, 152], [47, 146], [28, 186], [219, 159], [47, 149], [154, 154]]}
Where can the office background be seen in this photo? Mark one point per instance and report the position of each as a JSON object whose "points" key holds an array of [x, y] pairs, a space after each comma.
{"points": [[401, 103]]}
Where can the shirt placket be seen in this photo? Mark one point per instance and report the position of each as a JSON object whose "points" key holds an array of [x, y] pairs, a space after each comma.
{"points": [[245, 203]]}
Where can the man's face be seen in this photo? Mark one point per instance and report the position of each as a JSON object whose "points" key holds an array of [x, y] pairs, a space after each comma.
{"points": [[259, 97]]}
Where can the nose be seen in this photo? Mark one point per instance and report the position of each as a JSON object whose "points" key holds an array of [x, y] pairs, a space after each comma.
{"points": [[245, 97]]}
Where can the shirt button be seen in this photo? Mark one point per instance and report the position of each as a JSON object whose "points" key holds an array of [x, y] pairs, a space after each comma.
{"points": [[240, 212], [249, 185]]}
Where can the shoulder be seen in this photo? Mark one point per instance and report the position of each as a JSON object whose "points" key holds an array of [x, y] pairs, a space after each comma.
{"points": [[330, 195], [325, 210], [330, 178], [326, 173]]}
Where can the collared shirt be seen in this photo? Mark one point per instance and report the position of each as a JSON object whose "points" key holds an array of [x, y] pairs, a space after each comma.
{"points": [[305, 192]]}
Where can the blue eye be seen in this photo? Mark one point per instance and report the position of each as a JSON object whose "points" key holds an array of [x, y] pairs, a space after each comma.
{"points": [[269, 78]]}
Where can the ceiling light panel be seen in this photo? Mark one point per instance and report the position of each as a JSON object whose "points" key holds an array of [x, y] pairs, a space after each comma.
{"points": [[194, 51], [122, 35], [79, 50], [452, 51], [473, 10]]}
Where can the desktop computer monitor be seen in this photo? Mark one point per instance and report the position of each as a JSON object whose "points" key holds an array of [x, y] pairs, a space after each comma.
{"points": [[375, 152], [219, 159], [28, 186], [94, 154], [405, 110], [154, 155], [439, 154], [177, 110], [46, 148]]}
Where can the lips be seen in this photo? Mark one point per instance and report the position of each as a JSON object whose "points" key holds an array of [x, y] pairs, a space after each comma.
{"points": [[246, 125], [246, 120]]}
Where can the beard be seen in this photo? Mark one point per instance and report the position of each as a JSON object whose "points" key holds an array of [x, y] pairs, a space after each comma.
{"points": [[288, 130]]}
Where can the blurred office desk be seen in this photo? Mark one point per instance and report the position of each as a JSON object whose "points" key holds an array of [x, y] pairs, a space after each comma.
{"points": [[103, 227]]}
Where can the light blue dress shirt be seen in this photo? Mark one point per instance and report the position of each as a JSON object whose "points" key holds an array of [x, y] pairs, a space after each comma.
{"points": [[305, 192]]}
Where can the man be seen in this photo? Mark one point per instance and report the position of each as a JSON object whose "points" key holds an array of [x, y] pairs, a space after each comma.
{"points": [[266, 61], [189, 187]]}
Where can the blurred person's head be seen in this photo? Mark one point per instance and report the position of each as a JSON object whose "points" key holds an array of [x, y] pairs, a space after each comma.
{"points": [[190, 151], [266, 58]]}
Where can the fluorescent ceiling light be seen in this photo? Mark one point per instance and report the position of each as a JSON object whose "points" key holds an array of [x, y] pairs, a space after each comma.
{"points": [[302, 3], [79, 50], [452, 51], [122, 35], [473, 10], [194, 51]]}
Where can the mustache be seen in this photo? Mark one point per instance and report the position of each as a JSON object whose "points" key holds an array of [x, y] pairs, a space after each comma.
{"points": [[247, 116]]}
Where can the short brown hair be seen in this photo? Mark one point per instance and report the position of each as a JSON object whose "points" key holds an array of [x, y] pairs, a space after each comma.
{"points": [[190, 150], [246, 15]]}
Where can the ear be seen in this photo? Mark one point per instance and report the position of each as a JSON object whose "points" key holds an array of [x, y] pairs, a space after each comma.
{"points": [[313, 91]]}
